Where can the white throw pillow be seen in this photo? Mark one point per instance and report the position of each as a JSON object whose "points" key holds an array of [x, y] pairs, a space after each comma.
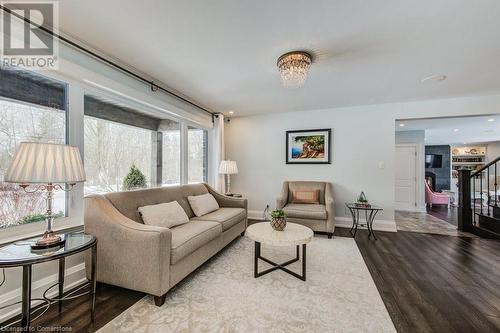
{"points": [[166, 215], [203, 204]]}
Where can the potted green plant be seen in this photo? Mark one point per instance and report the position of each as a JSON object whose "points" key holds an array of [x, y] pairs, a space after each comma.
{"points": [[278, 219]]}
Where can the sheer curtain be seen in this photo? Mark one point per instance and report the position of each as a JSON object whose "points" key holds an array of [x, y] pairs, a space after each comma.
{"points": [[219, 154]]}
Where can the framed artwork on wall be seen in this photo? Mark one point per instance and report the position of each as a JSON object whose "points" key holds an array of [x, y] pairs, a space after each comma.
{"points": [[308, 146]]}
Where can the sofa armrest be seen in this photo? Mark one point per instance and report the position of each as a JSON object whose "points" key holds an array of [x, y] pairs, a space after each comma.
{"points": [[225, 201], [129, 254], [330, 208], [282, 200]]}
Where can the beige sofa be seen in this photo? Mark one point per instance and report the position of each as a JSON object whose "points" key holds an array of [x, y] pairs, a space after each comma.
{"points": [[153, 259], [319, 217]]}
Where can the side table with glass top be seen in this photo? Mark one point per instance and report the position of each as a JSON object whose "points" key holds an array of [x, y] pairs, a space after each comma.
{"points": [[370, 211], [20, 254]]}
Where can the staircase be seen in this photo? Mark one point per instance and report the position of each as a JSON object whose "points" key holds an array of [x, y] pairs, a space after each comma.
{"points": [[479, 201]]}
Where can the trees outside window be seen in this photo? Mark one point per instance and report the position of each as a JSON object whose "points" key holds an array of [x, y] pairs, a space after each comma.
{"points": [[20, 122], [197, 155], [111, 149]]}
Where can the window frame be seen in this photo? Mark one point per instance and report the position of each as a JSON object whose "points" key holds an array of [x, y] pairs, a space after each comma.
{"points": [[74, 198], [76, 90]]}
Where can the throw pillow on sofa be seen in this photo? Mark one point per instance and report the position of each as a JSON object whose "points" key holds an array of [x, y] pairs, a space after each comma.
{"points": [[165, 215], [203, 204]]}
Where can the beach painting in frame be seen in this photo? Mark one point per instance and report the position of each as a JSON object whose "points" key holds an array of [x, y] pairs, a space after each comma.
{"points": [[308, 146]]}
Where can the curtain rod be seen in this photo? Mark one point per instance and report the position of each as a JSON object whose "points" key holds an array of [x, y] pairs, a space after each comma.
{"points": [[154, 86]]}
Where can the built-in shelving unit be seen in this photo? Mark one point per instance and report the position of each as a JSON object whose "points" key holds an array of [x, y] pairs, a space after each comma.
{"points": [[472, 158]]}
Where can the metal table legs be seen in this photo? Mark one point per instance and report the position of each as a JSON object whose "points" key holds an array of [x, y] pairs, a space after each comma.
{"points": [[26, 290], [280, 266], [369, 218], [26, 298]]}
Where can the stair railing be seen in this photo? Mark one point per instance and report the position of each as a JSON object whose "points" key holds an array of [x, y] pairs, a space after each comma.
{"points": [[473, 198]]}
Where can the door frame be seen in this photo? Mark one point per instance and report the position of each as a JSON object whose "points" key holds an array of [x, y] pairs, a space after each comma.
{"points": [[419, 174]]}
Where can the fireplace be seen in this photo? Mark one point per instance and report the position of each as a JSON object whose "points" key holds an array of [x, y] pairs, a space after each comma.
{"points": [[430, 178]]}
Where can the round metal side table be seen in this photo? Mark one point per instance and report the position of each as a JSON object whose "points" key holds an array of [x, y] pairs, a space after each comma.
{"points": [[369, 211], [20, 254]]}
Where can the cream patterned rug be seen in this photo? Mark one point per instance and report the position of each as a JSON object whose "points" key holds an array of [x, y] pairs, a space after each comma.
{"points": [[223, 296]]}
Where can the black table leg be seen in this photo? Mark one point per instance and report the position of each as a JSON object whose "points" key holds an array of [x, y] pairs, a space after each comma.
{"points": [[26, 298], [93, 281], [62, 267], [370, 224], [303, 261], [256, 260], [257, 256]]}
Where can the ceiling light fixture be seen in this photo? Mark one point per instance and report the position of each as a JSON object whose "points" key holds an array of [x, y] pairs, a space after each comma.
{"points": [[434, 78], [491, 120], [231, 112], [294, 67], [401, 125], [456, 130]]}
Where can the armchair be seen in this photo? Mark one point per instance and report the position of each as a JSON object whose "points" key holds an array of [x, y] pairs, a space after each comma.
{"points": [[319, 217], [435, 197]]}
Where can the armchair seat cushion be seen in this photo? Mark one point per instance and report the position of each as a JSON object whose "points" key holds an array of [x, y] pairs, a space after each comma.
{"points": [[228, 217], [306, 211], [189, 237]]}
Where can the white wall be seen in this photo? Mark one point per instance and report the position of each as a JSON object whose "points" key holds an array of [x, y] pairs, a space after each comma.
{"points": [[363, 148], [492, 150], [361, 160], [417, 138]]}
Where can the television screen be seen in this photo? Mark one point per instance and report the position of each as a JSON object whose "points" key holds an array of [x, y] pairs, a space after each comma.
{"points": [[433, 161]]}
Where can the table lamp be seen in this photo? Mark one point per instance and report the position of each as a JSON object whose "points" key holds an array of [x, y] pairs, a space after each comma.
{"points": [[228, 168], [47, 166]]}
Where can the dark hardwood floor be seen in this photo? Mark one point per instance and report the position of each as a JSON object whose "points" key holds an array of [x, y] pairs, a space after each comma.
{"points": [[445, 213], [429, 283]]}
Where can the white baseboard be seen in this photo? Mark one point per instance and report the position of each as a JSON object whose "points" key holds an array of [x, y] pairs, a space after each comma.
{"points": [[74, 276], [342, 222]]}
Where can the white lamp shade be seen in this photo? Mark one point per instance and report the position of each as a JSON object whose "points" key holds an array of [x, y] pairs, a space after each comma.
{"points": [[228, 167], [45, 163]]}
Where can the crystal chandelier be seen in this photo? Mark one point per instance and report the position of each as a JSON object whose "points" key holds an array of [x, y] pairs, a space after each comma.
{"points": [[293, 68]]}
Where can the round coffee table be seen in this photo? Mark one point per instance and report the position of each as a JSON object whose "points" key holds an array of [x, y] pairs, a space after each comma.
{"points": [[293, 235]]}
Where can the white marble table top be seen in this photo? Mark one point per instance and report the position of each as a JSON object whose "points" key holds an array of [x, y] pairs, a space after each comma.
{"points": [[294, 234]]}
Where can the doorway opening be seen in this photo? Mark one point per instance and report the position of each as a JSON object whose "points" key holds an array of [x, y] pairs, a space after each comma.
{"points": [[441, 147]]}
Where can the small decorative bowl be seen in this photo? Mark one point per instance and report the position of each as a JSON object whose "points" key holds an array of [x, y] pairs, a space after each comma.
{"points": [[278, 224]]}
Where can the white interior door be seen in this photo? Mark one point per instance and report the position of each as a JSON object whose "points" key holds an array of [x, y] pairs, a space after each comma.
{"points": [[406, 178]]}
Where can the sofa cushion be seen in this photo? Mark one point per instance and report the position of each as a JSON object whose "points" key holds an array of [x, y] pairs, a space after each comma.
{"points": [[128, 202], [189, 237], [225, 216], [203, 204], [165, 215], [306, 211]]}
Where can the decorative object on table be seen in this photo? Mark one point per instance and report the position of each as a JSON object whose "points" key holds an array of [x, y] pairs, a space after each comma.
{"points": [[19, 255], [48, 165], [293, 67], [308, 146], [369, 211], [278, 220], [228, 168], [362, 200]]}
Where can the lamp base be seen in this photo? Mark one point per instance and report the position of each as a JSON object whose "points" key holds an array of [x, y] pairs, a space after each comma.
{"points": [[48, 240]]}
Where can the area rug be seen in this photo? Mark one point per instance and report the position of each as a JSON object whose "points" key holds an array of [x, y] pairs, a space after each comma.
{"points": [[223, 296]]}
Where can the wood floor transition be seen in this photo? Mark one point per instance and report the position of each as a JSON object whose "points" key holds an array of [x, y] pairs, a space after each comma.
{"points": [[429, 283]]}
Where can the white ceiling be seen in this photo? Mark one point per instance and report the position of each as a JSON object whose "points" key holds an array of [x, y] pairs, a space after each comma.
{"points": [[471, 130], [223, 53]]}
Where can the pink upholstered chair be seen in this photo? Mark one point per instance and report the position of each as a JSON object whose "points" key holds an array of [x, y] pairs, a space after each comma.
{"points": [[435, 197]]}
